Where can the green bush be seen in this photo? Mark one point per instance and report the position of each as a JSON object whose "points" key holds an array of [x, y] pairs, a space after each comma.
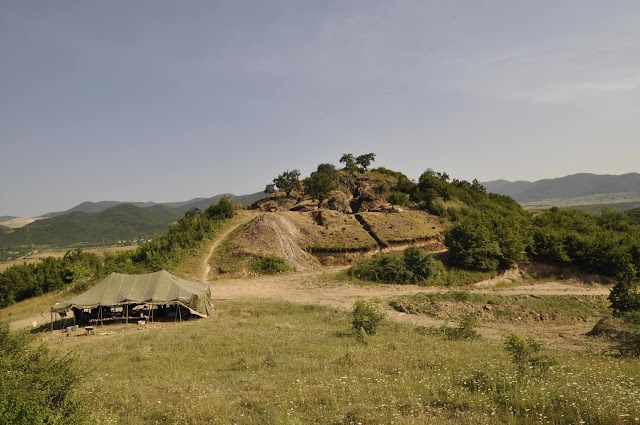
{"points": [[423, 266], [414, 266], [523, 353], [222, 210], [269, 265], [366, 317], [36, 387], [399, 198]]}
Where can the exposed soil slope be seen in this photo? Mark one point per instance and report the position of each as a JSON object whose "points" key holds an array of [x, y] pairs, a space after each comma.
{"points": [[273, 234]]}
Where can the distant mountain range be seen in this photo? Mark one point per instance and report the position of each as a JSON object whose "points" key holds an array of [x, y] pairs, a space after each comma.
{"points": [[107, 222], [573, 186], [201, 203]]}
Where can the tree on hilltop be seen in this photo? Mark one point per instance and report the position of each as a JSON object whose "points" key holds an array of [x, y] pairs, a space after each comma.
{"points": [[349, 162], [287, 181], [270, 188], [321, 183], [364, 161]]}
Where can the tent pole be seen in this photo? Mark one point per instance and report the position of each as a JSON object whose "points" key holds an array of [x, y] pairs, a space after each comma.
{"points": [[177, 312], [127, 314], [51, 318]]}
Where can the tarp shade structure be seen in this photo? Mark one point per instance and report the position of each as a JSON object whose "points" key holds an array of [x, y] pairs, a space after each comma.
{"points": [[161, 288]]}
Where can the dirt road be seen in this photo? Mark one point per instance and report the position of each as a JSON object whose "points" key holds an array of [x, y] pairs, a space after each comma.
{"points": [[325, 288]]}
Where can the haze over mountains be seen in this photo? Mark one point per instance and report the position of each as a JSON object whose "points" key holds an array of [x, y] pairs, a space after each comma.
{"points": [[573, 186], [201, 203], [100, 223]]}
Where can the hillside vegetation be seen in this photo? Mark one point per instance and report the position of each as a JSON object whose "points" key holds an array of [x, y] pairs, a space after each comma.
{"points": [[79, 268], [121, 222]]}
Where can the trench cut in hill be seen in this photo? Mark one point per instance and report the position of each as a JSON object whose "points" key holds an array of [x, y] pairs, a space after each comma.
{"points": [[273, 234]]}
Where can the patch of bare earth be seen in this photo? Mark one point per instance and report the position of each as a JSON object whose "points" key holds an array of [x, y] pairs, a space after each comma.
{"points": [[18, 222], [272, 234], [320, 287]]}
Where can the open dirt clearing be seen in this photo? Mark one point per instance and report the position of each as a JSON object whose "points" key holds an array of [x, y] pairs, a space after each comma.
{"points": [[323, 288]]}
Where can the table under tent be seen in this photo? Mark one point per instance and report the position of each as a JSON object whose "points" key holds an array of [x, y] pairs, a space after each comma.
{"points": [[123, 298]]}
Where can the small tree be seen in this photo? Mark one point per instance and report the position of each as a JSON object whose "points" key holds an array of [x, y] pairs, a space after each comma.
{"points": [[349, 162], [270, 188], [364, 161], [399, 198], [193, 212], [321, 183], [624, 295], [287, 181], [222, 210], [524, 354], [366, 316]]}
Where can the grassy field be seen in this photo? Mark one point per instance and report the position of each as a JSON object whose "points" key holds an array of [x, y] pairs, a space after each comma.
{"points": [[277, 363]]}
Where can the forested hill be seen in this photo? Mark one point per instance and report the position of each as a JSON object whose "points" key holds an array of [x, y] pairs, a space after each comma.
{"points": [[572, 186], [182, 206], [121, 222]]}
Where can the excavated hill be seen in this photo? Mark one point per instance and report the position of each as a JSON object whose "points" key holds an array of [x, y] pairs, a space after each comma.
{"points": [[274, 235], [307, 239]]}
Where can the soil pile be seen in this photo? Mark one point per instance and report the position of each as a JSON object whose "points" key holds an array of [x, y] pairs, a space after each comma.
{"points": [[274, 235]]}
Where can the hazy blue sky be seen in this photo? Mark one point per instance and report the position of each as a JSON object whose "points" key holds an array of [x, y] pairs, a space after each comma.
{"points": [[169, 100]]}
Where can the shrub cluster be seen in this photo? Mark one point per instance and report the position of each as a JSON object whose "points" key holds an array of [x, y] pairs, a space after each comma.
{"points": [[366, 317], [413, 266], [36, 387]]}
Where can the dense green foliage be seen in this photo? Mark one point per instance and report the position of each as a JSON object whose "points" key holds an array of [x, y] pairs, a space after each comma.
{"points": [[357, 163], [286, 182], [23, 281], [399, 198], [605, 244], [36, 387], [321, 183], [122, 222], [414, 266]]}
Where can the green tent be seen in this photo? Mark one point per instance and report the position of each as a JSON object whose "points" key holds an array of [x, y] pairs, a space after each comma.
{"points": [[159, 288]]}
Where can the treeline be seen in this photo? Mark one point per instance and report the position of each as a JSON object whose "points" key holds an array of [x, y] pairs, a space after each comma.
{"points": [[24, 281]]}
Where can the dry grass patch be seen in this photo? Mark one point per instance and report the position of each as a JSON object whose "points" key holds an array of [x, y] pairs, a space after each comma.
{"points": [[404, 226], [331, 231], [286, 364]]}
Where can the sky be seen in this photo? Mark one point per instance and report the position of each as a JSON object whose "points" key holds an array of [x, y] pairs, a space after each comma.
{"points": [[155, 100]]}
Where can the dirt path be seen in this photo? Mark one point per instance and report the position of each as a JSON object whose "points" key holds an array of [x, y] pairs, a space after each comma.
{"points": [[322, 287], [205, 269]]}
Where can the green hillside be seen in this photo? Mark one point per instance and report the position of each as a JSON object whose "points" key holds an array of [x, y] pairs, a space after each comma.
{"points": [[121, 222]]}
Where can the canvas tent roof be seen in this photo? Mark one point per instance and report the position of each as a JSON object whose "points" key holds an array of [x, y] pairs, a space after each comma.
{"points": [[152, 288]]}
